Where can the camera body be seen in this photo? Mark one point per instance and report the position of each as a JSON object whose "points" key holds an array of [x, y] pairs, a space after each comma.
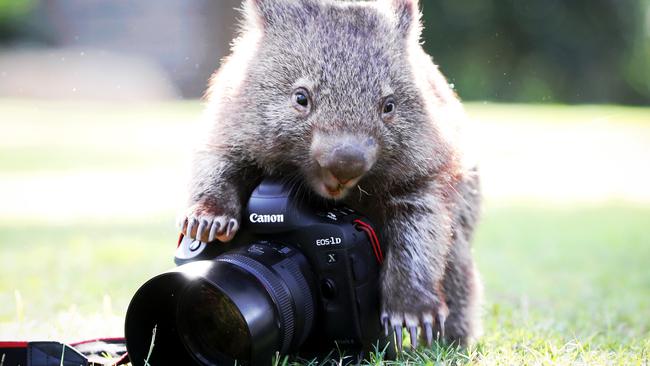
{"points": [[300, 277]]}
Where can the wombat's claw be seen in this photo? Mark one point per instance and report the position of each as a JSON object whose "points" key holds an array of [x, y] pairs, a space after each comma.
{"points": [[384, 321], [222, 228], [440, 319], [427, 322], [398, 332], [208, 228], [202, 224], [428, 332], [233, 225], [190, 222], [398, 337], [214, 228], [413, 332]]}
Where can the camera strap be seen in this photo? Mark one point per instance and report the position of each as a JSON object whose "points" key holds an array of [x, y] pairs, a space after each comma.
{"points": [[95, 352], [372, 236]]}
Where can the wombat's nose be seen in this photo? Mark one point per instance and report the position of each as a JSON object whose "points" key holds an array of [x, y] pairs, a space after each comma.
{"points": [[346, 163]]}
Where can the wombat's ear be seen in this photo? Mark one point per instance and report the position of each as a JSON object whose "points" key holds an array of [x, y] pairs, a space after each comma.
{"points": [[407, 16], [268, 12]]}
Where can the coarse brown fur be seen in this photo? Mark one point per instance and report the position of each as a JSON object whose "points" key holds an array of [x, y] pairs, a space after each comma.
{"points": [[350, 60]]}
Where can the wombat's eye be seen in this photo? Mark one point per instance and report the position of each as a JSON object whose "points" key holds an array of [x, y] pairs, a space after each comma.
{"points": [[388, 108], [301, 101]]}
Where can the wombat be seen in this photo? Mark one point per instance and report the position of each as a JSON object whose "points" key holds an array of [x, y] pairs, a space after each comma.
{"points": [[341, 98]]}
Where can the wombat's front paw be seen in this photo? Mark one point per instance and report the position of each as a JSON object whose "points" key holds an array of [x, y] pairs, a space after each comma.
{"points": [[202, 222], [432, 315]]}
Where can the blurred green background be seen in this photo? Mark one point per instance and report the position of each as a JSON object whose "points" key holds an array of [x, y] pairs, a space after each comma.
{"points": [[98, 112], [543, 51], [539, 51]]}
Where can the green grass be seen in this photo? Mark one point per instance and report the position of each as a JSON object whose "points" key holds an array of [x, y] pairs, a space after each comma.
{"points": [[561, 285], [564, 284]]}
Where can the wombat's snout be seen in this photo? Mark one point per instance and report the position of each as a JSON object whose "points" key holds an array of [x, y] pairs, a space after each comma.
{"points": [[346, 163], [346, 158]]}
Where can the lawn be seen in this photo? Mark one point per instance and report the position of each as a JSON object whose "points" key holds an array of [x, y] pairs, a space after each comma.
{"points": [[89, 192]]}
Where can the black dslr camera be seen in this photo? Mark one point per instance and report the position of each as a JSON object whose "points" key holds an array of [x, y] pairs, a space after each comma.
{"points": [[300, 278]]}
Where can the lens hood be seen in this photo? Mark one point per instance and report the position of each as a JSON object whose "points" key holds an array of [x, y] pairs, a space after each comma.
{"points": [[165, 303]]}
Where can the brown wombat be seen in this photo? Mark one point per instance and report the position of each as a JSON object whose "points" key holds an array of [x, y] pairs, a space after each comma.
{"points": [[341, 97]]}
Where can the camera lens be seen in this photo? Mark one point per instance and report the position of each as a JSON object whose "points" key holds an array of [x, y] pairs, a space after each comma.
{"points": [[241, 307], [213, 327], [259, 287]]}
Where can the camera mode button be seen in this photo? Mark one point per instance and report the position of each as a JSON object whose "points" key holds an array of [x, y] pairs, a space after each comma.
{"points": [[195, 245]]}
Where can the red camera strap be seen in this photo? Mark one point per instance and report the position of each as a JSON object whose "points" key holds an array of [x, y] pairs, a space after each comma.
{"points": [[372, 236], [95, 352]]}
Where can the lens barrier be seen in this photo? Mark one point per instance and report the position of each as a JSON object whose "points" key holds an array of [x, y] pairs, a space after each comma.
{"points": [[212, 326]]}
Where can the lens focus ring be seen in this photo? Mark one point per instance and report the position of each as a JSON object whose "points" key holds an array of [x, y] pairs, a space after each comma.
{"points": [[274, 286], [308, 305]]}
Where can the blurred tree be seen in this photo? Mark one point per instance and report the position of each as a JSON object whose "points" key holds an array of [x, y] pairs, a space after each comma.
{"points": [[15, 8], [12, 15], [543, 50]]}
